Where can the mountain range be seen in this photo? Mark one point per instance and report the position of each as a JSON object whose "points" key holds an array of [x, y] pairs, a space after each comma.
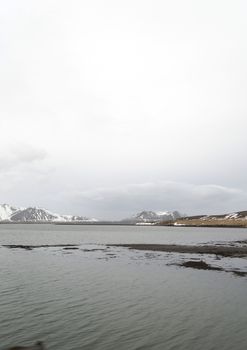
{"points": [[14, 214], [32, 214], [10, 213]]}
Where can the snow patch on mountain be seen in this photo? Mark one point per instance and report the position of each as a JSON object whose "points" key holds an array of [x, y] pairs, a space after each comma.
{"points": [[232, 216], [229, 216], [6, 211]]}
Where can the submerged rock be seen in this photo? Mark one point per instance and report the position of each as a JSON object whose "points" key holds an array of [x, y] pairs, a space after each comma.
{"points": [[30, 247], [37, 346]]}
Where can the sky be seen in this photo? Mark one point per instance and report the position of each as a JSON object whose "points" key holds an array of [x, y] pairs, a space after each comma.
{"points": [[111, 107]]}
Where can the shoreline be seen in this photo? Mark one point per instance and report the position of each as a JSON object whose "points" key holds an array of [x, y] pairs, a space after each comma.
{"points": [[177, 224]]}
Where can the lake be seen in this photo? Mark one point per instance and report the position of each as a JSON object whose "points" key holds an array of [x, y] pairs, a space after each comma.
{"points": [[102, 298]]}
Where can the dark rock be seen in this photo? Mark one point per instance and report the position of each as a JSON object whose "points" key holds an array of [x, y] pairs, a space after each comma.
{"points": [[30, 247], [70, 248], [200, 265]]}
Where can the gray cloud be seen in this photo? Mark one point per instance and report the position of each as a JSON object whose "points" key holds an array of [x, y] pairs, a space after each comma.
{"points": [[28, 154], [20, 154], [119, 95]]}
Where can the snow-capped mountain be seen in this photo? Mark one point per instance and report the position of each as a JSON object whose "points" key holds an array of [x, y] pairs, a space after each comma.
{"points": [[151, 216], [33, 214]]}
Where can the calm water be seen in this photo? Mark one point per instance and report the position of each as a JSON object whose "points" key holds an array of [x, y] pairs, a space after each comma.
{"points": [[113, 298]]}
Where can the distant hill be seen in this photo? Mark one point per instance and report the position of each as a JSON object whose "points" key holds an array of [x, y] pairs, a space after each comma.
{"points": [[9, 213], [235, 219]]}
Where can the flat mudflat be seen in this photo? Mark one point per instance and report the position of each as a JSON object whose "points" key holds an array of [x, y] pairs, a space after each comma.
{"points": [[227, 251]]}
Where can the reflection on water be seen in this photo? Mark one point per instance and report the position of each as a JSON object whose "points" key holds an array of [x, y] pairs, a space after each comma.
{"points": [[101, 298]]}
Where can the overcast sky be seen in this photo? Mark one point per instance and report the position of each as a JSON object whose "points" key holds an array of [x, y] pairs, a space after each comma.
{"points": [[111, 107]]}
